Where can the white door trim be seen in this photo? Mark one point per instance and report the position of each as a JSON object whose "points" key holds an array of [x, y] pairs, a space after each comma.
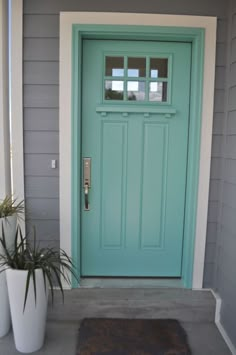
{"points": [[67, 19]]}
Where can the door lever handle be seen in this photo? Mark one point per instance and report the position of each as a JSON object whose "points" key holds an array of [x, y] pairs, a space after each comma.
{"points": [[86, 181], [86, 197]]}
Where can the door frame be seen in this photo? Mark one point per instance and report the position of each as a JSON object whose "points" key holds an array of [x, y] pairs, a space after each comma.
{"points": [[201, 32]]}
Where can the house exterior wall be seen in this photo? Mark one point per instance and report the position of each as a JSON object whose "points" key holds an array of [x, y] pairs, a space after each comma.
{"points": [[41, 102], [225, 282]]}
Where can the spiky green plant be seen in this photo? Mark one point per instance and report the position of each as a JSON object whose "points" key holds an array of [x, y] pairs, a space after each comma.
{"points": [[10, 206], [31, 257]]}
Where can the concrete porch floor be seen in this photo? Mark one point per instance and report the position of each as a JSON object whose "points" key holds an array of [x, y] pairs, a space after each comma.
{"points": [[194, 309]]}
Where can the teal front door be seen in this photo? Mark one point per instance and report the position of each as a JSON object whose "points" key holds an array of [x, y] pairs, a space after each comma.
{"points": [[135, 121]]}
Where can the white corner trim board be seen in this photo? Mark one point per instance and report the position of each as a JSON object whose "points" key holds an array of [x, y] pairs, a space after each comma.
{"points": [[5, 175], [67, 19], [16, 104]]}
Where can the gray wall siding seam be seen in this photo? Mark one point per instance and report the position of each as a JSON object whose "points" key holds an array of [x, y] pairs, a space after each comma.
{"points": [[40, 176], [47, 38], [41, 60], [41, 130], [42, 197], [31, 153], [227, 205]]}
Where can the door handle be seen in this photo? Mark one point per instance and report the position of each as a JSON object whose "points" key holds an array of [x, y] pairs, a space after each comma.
{"points": [[86, 181], [86, 197]]}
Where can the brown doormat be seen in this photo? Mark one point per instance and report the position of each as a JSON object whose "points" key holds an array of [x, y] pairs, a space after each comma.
{"points": [[132, 337]]}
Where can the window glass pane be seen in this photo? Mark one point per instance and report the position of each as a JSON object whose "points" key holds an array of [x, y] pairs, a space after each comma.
{"points": [[114, 66], [114, 90], [132, 85], [158, 91], [137, 67], [136, 90], [158, 67]]}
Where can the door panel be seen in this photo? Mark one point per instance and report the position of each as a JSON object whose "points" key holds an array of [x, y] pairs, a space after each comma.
{"points": [[114, 148], [138, 156], [153, 195]]}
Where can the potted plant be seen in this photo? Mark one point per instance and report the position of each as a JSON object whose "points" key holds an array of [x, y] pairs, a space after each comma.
{"points": [[10, 209], [30, 271]]}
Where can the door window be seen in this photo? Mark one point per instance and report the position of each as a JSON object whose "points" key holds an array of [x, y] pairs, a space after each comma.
{"points": [[144, 79]]}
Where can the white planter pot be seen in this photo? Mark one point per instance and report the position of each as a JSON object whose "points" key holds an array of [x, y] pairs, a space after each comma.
{"points": [[5, 317], [28, 326], [9, 225]]}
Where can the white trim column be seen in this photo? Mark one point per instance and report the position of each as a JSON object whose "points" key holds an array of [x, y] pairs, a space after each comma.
{"points": [[16, 105], [16, 84], [5, 172]]}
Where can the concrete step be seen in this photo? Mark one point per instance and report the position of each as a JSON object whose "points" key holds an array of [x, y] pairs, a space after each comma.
{"points": [[184, 305]]}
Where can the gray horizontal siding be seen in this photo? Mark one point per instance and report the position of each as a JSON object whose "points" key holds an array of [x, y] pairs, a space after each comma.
{"points": [[233, 50], [226, 255], [220, 54], [41, 119], [218, 116], [40, 165], [210, 253], [228, 220], [213, 211], [42, 186], [222, 26], [219, 100], [214, 190], [41, 73], [212, 232], [232, 74], [230, 146], [209, 274], [41, 79], [232, 95], [231, 123], [41, 142], [46, 229], [220, 78], [229, 195], [41, 49], [215, 168], [225, 282], [230, 170], [218, 125], [33, 26], [207, 7], [45, 96], [42, 208], [216, 146], [234, 27]]}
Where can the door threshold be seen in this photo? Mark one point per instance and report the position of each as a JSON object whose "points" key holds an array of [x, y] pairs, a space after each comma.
{"points": [[107, 282]]}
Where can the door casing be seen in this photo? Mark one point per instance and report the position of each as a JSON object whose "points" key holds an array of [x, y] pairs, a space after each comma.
{"points": [[192, 35]]}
